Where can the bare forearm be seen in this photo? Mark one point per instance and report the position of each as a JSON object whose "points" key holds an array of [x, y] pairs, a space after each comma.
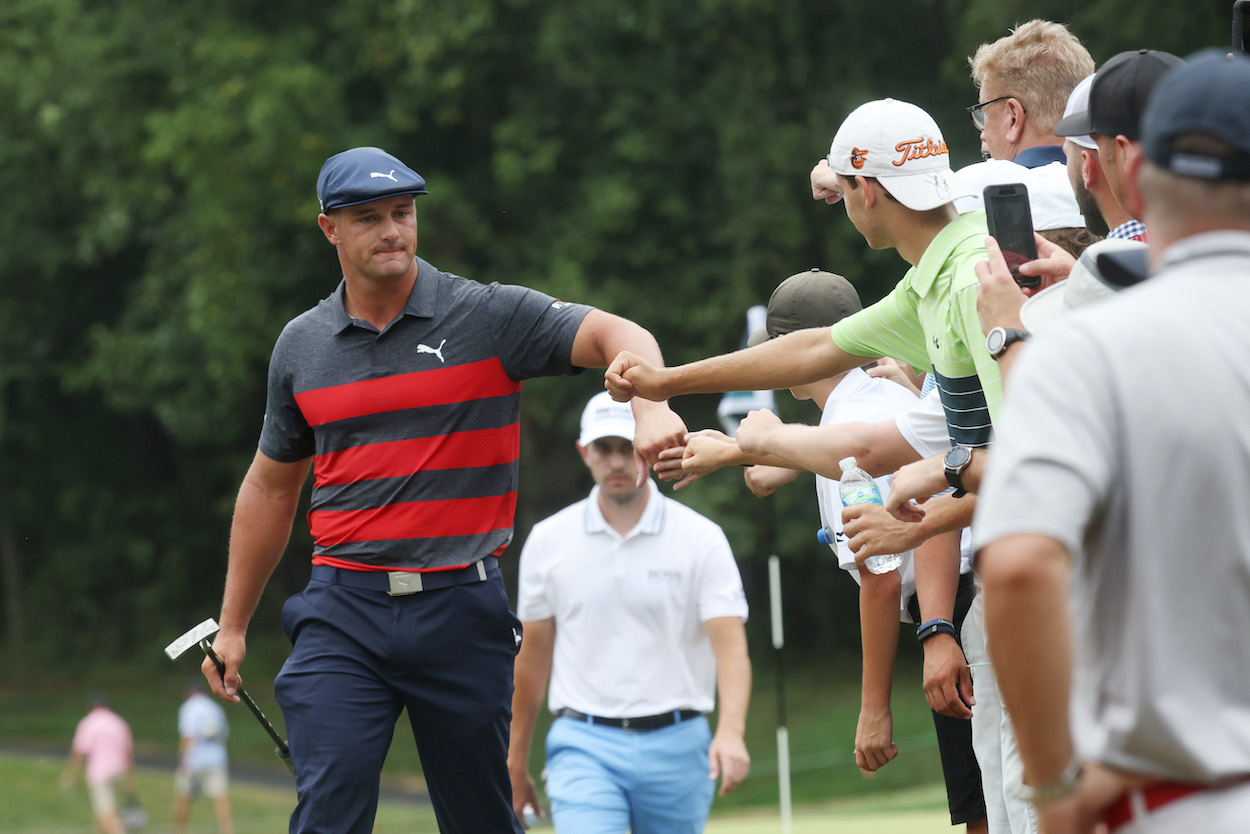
{"points": [[937, 575], [878, 448], [1025, 581], [602, 336], [878, 622], [797, 358], [731, 454], [733, 673], [743, 459], [872, 531], [945, 514], [530, 675], [1007, 360], [971, 476]]}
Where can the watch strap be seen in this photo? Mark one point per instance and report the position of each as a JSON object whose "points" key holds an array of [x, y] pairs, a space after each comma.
{"points": [[1011, 335], [930, 628], [954, 474], [1061, 787]]}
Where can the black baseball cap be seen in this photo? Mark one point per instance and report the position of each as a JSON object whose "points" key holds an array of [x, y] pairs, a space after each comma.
{"points": [[1118, 94], [362, 175], [1208, 95]]}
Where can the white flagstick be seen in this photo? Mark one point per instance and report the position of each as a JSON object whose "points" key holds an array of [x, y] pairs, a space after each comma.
{"points": [[734, 405], [783, 733]]}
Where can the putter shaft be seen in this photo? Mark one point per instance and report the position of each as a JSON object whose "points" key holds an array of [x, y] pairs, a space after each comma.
{"points": [[283, 751]]}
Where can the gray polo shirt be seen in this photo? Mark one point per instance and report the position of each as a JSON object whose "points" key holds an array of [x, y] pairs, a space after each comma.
{"points": [[1126, 436]]}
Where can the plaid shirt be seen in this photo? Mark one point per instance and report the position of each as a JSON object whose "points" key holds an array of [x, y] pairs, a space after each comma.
{"points": [[1130, 230]]}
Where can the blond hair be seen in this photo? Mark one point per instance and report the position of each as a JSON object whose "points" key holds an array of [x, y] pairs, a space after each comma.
{"points": [[1039, 63]]}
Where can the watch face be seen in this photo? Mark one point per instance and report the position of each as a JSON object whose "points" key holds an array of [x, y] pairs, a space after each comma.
{"points": [[994, 341], [958, 457]]}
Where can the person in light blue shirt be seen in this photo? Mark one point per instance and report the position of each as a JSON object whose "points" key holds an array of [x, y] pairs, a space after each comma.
{"points": [[203, 764]]}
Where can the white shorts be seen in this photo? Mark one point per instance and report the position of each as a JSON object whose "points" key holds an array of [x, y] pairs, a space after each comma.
{"points": [[211, 783], [104, 796]]}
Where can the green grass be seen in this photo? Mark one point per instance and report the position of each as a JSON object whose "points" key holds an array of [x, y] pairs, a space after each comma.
{"points": [[822, 703], [31, 803], [822, 708]]}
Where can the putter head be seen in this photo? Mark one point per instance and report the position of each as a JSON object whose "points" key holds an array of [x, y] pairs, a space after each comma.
{"points": [[191, 638]]}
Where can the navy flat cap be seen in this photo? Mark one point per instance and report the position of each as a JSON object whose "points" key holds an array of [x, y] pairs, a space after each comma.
{"points": [[361, 175]]}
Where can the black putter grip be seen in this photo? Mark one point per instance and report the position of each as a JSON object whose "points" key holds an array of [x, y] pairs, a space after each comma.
{"points": [[282, 751]]}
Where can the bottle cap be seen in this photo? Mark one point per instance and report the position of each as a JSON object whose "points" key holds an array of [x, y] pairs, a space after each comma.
{"points": [[847, 463]]}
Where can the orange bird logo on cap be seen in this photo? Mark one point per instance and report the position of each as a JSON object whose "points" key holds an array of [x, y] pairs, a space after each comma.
{"points": [[858, 158]]}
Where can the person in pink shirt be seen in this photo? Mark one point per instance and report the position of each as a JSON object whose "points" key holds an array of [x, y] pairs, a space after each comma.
{"points": [[103, 743]]}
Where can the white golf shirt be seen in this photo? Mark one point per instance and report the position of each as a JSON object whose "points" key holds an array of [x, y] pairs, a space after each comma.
{"points": [[860, 398], [629, 611]]}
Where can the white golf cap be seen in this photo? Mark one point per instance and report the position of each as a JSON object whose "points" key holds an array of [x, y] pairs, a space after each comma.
{"points": [[1078, 102], [1085, 284], [605, 417], [901, 146], [1052, 202], [1051, 199]]}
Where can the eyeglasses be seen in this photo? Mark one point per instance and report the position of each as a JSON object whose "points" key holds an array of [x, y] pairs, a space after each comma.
{"points": [[977, 111]]}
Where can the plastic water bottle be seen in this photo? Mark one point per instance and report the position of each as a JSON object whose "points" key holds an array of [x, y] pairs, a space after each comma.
{"points": [[529, 815], [857, 487]]}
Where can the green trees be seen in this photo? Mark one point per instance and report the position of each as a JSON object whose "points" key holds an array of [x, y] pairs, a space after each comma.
{"points": [[158, 160]]}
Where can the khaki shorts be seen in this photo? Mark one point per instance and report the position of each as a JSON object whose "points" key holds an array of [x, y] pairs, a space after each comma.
{"points": [[211, 783], [104, 796]]}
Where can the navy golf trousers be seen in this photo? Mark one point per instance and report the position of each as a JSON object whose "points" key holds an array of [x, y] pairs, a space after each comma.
{"points": [[359, 657]]}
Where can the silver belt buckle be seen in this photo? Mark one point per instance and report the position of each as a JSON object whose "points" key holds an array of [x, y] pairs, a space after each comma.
{"points": [[404, 582]]}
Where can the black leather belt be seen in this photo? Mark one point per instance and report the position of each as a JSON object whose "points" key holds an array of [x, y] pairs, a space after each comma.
{"points": [[637, 725], [403, 582]]}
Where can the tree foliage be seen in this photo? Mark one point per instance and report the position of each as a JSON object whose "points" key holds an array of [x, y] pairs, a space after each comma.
{"points": [[650, 158]]}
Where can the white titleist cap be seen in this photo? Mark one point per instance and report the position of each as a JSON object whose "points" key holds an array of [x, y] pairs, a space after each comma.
{"points": [[901, 146], [605, 417]]}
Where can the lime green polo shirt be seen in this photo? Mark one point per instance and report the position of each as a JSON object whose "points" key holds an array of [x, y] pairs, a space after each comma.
{"points": [[929, 320]]}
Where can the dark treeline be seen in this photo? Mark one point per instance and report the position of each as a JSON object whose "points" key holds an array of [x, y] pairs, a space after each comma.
{"points": [[158, 163]]}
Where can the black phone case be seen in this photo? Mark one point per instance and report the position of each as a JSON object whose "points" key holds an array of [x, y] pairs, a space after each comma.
{"points": [[1010, 222]]}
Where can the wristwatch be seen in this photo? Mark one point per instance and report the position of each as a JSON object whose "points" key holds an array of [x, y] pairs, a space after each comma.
{"points": [[1046, 794], [956, 461], [1000, 338]]}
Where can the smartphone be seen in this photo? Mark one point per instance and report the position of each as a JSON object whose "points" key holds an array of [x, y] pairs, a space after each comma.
{"points": [[1241, 33], [1010, 221]]}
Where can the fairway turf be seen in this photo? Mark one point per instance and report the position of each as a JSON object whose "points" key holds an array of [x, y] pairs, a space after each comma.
{"points": [[31, 803], [912, 811], [834, 822], [822, 700]]}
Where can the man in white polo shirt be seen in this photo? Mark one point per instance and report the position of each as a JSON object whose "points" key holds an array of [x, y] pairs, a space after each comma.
{"points": [[633, 604]]}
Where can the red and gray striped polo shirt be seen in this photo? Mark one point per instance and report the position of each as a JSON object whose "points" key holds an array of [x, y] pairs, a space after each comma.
{"points": [[414, 430]]}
